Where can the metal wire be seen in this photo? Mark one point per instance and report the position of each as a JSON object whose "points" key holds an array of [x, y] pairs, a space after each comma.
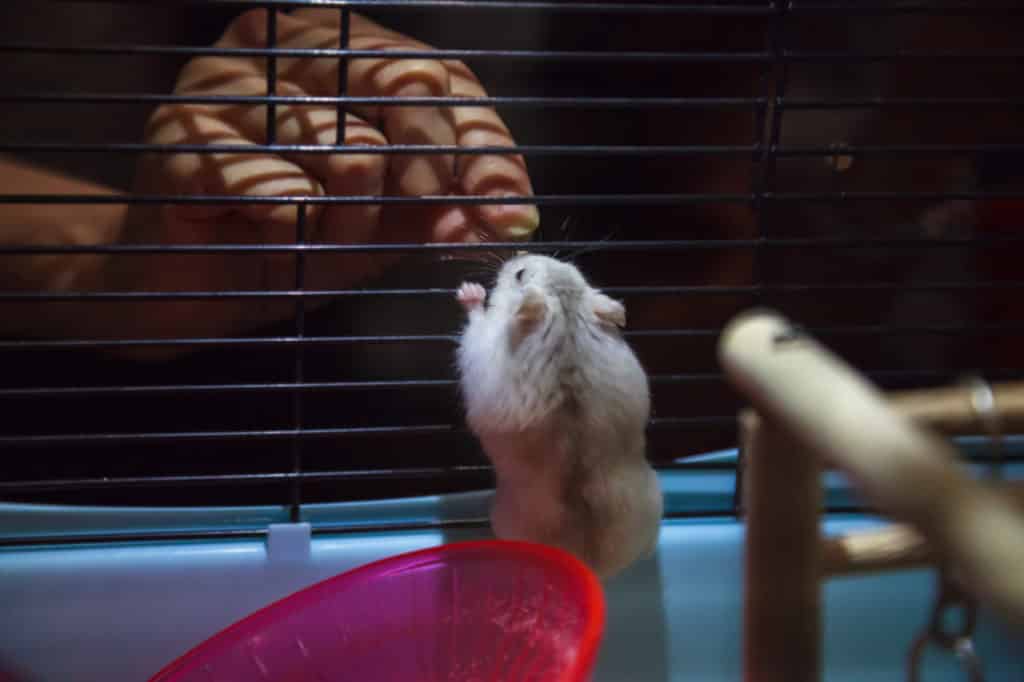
{"points": [[768, 126], [935, 7], [538, 200], [721, 8], [391, 149], [559, 56], [653, 245], [403, 384], [307, 100], [409, 339], [630, 291], [300, 433]]}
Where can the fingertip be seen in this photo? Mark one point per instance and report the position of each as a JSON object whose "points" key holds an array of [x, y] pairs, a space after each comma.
{"points": [[417, 176], [520, 233], [452, 225], [248, 29], [515, 222]]}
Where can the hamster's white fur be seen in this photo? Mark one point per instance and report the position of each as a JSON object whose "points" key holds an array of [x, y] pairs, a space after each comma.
{"points": [[560, 405]]}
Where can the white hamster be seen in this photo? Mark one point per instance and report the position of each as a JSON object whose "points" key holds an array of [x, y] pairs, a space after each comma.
{"points": [[560, 404]]}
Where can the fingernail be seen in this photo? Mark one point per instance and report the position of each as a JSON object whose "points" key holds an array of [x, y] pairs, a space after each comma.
{"points": [[534, 217], [519, 232], [517, 221], [526, 228]]}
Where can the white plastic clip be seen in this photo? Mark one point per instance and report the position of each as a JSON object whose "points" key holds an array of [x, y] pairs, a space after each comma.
{"points": [[289, 541]]}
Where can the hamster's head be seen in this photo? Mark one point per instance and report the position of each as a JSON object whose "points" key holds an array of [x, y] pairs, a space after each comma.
{"points": [[532, 286]]}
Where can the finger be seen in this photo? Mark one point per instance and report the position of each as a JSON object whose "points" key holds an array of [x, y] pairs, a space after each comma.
{"points": [[341, 174], [480, 175], [414, 175], [321, 30], [411, 224], [227, 173], [217, 73], [490, 174]]}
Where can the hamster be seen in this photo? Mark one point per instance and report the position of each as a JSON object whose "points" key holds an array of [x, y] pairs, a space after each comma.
{"points": [[560, 405]]}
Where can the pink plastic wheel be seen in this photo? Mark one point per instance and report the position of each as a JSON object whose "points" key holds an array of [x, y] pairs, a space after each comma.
{"points": [[486, 611]]}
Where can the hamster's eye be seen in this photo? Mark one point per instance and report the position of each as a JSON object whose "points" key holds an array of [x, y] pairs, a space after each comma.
{"points": [[519, 274]]}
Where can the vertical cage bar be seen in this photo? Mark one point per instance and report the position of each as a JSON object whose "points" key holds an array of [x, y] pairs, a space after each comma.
{"points": [[344, 31], [271, 75], [767, 133], [773, 130], [299, 366], [769, 148]]}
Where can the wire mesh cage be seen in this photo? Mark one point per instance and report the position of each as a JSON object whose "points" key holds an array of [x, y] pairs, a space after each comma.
{"points": [[231, 233], [851, 164]]}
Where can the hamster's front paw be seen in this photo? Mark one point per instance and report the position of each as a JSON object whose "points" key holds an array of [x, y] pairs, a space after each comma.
{"points": [[471, 295]]}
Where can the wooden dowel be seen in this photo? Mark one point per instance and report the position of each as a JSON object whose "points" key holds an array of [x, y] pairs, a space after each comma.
{"points": [[904, 471], [891, 547], [949, 409], [782, 600]]}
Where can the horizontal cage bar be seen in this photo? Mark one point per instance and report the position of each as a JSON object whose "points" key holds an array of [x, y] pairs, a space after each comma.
{"points": [[856, 7], [590, 246], [972, 102], [781, 151], [702, 332], [222, 200], [668, 290], [540, 200], [627, 56], [304, 433], [411, 473], [902, 151], [239, 435], [390, 149], [288, 387], [482, 472], [306, 100], [716, 8], [77, 391], [477, 472], [809, 56]]}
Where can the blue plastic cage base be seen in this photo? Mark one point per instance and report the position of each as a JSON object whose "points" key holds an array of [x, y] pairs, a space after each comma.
{"points": [[120, 611]]}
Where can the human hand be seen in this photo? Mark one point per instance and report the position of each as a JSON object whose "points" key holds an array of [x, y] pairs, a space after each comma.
{"points": [[312, 174]]}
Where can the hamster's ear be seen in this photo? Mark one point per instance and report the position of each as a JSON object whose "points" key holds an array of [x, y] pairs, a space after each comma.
{"points": [[609, 311], [532, 308]]}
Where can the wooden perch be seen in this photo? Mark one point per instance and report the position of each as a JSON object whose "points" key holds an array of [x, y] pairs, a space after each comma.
{"points": [[782, 590], [949, 410], [895, 546], [892, 547], [909, 473]]}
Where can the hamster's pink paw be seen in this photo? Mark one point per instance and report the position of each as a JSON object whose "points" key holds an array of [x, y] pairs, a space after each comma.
{"points": [[471, 295]]}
